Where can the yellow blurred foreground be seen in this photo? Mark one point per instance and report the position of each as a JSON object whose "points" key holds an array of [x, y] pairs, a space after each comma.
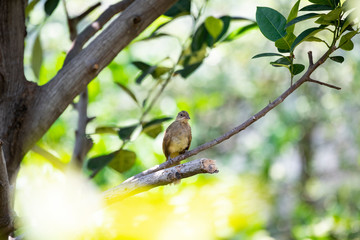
{"points": [[56, 205]]}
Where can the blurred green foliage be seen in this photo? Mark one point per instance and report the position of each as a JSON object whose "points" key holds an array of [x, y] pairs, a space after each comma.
{"points": [[304, 155]]}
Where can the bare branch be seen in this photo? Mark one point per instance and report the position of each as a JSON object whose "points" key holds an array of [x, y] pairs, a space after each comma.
{"points": [[325, 84], [244, 125], [160, 178]]}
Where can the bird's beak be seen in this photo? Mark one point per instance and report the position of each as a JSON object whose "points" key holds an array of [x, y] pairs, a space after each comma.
{"points": [[187, 117]]}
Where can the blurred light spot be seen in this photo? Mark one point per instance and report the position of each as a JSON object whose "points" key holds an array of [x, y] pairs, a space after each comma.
{"points": [[277, 171]]}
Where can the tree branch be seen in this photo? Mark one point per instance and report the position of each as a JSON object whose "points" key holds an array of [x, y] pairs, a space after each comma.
{"points": [[160, 178], [93, 28], [244, 125], [325, 84], [72, 79]]}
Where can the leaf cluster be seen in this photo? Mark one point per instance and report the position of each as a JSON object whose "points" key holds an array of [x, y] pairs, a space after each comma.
{"points": [[327, 15]]}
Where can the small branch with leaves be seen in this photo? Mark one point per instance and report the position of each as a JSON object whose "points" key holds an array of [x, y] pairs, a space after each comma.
{"points": [[281, 31]]}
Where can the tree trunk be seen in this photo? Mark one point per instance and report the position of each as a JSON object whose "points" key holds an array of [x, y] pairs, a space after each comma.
{"points": [[15, 93]]}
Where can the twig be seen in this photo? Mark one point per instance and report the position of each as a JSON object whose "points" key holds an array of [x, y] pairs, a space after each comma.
{"points": [[325, 84], [48, 156], [93, 28], [73, 22], [311, 60], [244, 125], [160, 178]]}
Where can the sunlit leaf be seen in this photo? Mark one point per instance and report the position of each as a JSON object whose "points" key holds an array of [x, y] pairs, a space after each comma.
{"points": [[182, 7], [159, 71], [267, 55], [36, 56], [292, 15], [285, 42], [214, 26], [154, 127], [316, 7], [111, 130], [50, 6], [153, 131], [123, 160], [128, 91], [239, 32], [338, 59], [271, 23], [125, 132]]}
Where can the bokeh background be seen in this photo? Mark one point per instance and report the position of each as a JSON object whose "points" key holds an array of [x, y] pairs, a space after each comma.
{"points": [[292, 175]]}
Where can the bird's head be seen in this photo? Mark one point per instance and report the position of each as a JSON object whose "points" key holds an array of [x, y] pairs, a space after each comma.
{"points": [[183, 116]]}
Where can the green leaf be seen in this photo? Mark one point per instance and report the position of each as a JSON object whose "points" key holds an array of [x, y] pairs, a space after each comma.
{"points": [[346, 24], [316, 7], [153, 131], [322, 2], [188, 70], [145, 68], [292, 15], [125, 132], [99, 162], [271, 23], [155, 121], [182, 7], [332, 15], [267, 55], [304, 35], [123, 160], [50, 6], [314, 39], [296, 69], [214, 26], [301, 18], [159, 71], [111, 130], [338, 59], [239, 32], [36, 56], [141, 65], [345, 41], [226, 23], [285, 42], [128, 91], [199, 38], [281, 62]]}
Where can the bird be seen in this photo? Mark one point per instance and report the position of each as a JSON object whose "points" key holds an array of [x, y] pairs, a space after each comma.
{"points": [[177, 137]]}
